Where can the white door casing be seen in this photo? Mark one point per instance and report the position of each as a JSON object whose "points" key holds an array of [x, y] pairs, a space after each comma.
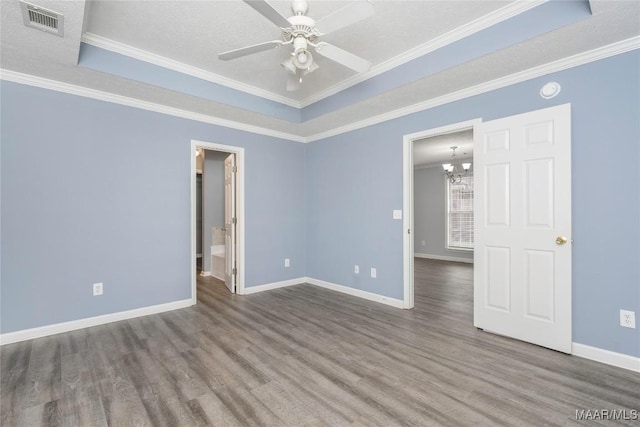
{"points": [[522, 277], [230, 222]]}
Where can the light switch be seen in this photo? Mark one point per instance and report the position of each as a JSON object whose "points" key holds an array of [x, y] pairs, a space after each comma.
{"points": [[397, 214]]}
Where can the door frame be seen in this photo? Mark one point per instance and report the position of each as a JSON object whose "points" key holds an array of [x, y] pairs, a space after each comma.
{"points": [[240, 230], [407, 199]]}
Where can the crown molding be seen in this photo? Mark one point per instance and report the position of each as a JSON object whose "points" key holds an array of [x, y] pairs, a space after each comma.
{"points": [[551, 67], [180, 67], [459, 33], [477, 25], [57, 86]]}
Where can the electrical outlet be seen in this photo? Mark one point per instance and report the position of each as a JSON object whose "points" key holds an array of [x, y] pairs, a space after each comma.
{"points": [[356, 269], [627, 318], [287, 263], [423, 243], [374, 273], [97, 289]]}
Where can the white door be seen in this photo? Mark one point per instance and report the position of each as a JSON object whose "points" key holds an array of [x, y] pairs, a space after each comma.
{"points": [[230, 222], [522, 272]]}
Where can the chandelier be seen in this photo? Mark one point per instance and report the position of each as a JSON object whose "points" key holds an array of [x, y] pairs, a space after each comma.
{"points": [[450, 169]]}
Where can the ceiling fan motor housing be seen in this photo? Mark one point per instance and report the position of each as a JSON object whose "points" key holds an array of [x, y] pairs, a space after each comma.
{"points": [[299, 7], [300, 26]]}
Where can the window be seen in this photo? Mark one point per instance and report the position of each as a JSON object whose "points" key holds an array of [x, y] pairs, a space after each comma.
{"points": [[460, 214]]}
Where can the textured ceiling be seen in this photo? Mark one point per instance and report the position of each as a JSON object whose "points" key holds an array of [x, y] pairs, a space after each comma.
{"points": [[436, 150], [194, 32]]}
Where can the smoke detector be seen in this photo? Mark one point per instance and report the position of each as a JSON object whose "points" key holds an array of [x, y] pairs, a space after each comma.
{"points": [[42, 19]]}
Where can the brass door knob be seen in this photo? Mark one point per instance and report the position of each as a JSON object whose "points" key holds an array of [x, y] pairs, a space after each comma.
{"points": [[561, 240]]}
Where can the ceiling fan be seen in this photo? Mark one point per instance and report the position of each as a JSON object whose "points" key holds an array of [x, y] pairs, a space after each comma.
{"points": [[302, 32]]}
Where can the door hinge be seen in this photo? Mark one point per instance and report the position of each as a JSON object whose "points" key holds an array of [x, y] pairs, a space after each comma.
{"points": [[234, 220], [234, 271], [234, 169]]}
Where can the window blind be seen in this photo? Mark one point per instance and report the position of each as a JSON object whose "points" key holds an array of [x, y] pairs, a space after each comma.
{"points": [[460, 214]]}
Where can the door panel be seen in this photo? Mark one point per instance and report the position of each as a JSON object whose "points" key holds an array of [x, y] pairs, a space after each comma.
{"points": [[230, 222], [538, 177], [540, 284], [498, 278], [522, 278], [498, 209]]}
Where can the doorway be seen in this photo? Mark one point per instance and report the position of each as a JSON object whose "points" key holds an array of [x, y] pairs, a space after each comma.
{"points": [[409, 187], [522, 224], [221, 232]]}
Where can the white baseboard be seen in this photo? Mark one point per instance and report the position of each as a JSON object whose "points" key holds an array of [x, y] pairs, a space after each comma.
{"points": [[356, 292], [269, 286], [43, 331], [444, 258], [605, 356], [205, 273]]}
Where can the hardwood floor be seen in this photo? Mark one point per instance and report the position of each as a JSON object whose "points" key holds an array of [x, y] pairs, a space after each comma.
{"points": [[306, 356]]}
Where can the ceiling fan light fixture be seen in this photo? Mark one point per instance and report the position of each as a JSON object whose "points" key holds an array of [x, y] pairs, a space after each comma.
{"points": [[300, 31], [289, 66], [312, 67], [301, 56], [303, 59]]}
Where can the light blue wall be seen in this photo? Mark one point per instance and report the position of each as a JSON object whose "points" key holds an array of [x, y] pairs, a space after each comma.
{"points": [[354, 185], [355, 181], [430, 214], [78, 206], [99, 192], [213, 200]]}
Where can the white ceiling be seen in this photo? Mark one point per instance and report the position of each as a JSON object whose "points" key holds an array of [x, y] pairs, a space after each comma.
{"points": [[194, 32]]}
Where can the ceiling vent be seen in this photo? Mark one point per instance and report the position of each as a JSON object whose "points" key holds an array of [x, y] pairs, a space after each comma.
{"points": [[42, 19]]}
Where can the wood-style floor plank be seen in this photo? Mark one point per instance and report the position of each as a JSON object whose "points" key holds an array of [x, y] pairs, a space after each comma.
{"points": [[306, 356]]}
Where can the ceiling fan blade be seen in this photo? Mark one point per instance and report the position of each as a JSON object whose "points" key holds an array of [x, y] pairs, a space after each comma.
{"points": [[347, 15], [237, 53], [266, 10], [293, 82], [343, 57]]}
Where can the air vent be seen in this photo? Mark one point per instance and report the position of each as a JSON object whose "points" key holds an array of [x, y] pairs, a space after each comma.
{"points": [[42, 19]]}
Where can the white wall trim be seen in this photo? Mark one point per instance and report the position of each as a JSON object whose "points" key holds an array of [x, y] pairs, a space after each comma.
{"points": [[605, 356], [57, 86], [205, 273], [444, 258], [477, 25], [58, 328], [275, 285], [162, 61], [357, 293], [551, 67]]}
